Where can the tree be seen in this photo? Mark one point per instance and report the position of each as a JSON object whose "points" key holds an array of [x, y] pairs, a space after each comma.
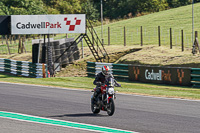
{"points": [[22, 7], [64, 6], [177, 3], [90, 10], [3, 9], [121, 8]]}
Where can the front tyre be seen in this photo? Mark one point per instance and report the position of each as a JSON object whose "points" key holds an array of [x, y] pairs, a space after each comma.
{"points": [[93, 107], [111, 107]]}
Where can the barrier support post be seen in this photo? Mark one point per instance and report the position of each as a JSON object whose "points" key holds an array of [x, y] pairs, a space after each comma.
{"points": [[43, 71]]}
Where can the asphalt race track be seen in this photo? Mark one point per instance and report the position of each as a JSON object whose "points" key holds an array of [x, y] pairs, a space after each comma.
{"points": [[142, 114]]}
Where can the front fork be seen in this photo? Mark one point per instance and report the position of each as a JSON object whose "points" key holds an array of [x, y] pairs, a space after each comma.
{"points": [[111, 96]]}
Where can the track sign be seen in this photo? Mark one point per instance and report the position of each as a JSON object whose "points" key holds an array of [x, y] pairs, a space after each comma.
{"points": [[48, 24]]}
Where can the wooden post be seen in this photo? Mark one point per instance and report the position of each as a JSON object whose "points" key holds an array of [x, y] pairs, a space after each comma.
{"points": [[196, 34], [108, 36], [141, 37], [182, 40], [124, 36], [19, 47], [170, 38], [43, 70], [7, 44], [159, 36]]}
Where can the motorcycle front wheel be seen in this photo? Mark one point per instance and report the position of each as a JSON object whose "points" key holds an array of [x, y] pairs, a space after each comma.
{"points": [[93, 108], [111, 107]]}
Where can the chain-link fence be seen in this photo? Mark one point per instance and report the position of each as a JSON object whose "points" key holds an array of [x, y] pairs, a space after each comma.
{"points": [[112, 36], [146, 36]]}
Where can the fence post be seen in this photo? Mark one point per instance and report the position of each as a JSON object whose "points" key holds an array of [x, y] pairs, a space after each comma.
{"points": [[124, 36], [141, 37], [159, 36], [196, 34], [170, 38], [108, 36], [43, 71], [182, 41]]}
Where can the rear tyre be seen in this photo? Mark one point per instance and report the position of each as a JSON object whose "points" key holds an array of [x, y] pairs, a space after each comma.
{"points": [[93, 107], [111, 107]]}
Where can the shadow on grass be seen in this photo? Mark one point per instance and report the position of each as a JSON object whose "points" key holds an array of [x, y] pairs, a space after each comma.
{"points": [[7, 75]]}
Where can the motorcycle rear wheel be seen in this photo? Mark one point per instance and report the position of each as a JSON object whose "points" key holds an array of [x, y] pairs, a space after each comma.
{"points": [[111, 107], [94, 110]]}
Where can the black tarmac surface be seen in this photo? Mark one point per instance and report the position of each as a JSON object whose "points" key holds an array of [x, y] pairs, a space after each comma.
{"points": [[136, 113]]}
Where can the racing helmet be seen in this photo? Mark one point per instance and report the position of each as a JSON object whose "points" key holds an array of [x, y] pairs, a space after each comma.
{"points": [[105, 70]]}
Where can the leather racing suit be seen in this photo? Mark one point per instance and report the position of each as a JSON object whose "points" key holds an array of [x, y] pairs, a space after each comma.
{"points": [[100, 79]]}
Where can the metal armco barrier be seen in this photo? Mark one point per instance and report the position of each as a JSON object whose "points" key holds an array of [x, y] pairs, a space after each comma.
{"points": [[119, 71], [165, 75], [195, 77], [150, 74], [23, 68]]}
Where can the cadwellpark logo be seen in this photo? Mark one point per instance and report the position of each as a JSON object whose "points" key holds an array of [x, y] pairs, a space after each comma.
{"points": [[160, 75], [50, 25], [72, 27], [136, 72], [29, 25], [180, 75]]}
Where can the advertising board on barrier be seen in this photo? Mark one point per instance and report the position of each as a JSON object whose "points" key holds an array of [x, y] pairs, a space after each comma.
{"points": [[168, 75], [48, 24]]}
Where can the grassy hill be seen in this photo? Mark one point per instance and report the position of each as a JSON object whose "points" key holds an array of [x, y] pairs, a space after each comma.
{"points": [[178, 19]]}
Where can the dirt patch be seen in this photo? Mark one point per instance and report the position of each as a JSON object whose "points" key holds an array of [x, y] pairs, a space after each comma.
{"points": [[162, 56]]}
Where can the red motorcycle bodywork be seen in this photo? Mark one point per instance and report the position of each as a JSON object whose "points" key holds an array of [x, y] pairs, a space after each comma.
{"points": [[103, 91]]}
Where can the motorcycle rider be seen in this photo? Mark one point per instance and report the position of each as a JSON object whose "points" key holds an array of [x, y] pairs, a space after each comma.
{"points": [[101, 78]]}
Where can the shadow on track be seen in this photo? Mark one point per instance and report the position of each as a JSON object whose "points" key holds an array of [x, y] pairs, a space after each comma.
{"points": [[80, 115]]}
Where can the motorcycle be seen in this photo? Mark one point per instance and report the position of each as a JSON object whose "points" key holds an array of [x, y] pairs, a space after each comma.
{"points": [[105, 100]]}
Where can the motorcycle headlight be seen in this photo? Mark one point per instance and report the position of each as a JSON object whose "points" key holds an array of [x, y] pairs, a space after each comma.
{"points": [[111, 91]]}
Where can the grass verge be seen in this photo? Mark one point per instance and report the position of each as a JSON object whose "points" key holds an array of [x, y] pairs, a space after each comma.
{"points": [[127, 87]]}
